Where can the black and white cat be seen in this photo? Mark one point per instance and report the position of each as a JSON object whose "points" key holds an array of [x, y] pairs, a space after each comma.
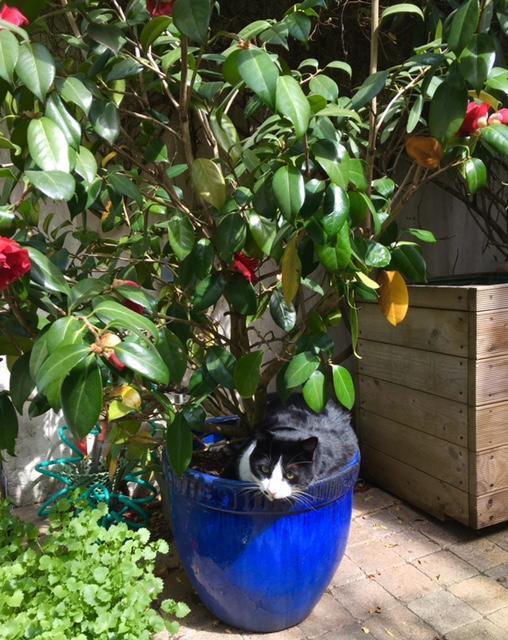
{"points": [[294, 447]]}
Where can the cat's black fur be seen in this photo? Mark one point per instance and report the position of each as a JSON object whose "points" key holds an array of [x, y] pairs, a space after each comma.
{"points": [[313, 446]]}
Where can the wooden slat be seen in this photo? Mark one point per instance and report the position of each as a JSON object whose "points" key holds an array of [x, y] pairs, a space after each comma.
{"points": [[440, 297], [436, 416], [440, 459], [440, 330], [492, 470], [491, 381], [443, 375], [491, 509], [414, 486], [490, 424], [494, 296], [491, 334]]}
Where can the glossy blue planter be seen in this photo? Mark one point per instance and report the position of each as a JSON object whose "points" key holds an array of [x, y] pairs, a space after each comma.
{"points": [[258, 565]]}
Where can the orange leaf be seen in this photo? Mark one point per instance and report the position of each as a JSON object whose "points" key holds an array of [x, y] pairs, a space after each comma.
{"points": [[425, 151], [393, 297]]}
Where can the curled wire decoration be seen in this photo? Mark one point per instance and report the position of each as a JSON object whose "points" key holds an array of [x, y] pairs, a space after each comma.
{"points": [[83, 483]]}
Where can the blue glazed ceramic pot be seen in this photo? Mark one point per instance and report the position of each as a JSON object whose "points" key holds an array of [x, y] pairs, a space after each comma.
{"points": [[258, 565]]}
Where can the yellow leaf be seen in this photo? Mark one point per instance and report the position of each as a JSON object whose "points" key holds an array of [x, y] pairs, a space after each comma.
{"points": [[117, 409], [113, 466], [291, 270], [108, 158], [368, 282], [425, 151], [130, 397], [394, 297], [209, 182], [483, 96]]}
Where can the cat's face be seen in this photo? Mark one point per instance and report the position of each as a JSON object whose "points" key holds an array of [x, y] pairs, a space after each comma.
{"points": [[280, 468]]}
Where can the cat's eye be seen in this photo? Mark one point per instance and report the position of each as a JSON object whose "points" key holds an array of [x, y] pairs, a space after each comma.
{"points": [[264, 468], [290, 475]]}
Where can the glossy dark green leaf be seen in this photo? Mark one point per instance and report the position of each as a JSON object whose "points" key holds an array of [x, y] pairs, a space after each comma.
{"points": [[301, 367], [82, 398], [463, 25], [48, 146], [105, 120], [68, 125], [125, 186], [8, 424], [201, 384], [447, 110], [220, 364], [146, 300], [59, 364], [423, 235], [369, 89], [241, 295], [403, 7], [179, 444], [283, 314], [45, 273], [263, 231], [377, 255], [84, 291], [108, 35], [54, 184], [336, 257], [289, 188], [111, 311], [259, 73], [174, 355], [202, 258], [315, 392], [124, 69], [192, 18], [344, 386], [181, 235], [209, 291], [231, 236], [335, 209], [36, 68], [144, 359], [291, 102], [476, 174], [477, 59], [153, 29], [496, 136], [409, 261], [299, 26], [21, 383], [323, 85], [329, 155], [247, 373], [86, 165], [64, 331], [74, 91], [9, 52]]}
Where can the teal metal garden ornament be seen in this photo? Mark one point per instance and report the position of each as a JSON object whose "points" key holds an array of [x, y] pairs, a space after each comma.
{"points": [[85, 480]]}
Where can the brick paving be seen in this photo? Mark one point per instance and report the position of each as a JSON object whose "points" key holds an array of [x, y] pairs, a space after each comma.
{"points": [[405, 576]]}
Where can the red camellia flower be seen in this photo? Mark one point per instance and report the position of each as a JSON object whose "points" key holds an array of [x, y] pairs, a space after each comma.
{"points": [[476, 118], [14, 262], [500, 117], [13, 15], [160, 7], [246, 266]]}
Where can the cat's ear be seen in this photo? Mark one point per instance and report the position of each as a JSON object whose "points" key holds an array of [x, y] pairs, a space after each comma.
{"points": [[309, 445]]}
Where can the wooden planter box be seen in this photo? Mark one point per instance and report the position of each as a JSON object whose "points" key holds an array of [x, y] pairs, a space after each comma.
{"points": [[432, 413]]}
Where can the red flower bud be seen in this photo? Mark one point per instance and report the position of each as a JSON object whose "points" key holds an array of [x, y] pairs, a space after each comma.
{"points": [[500, 117], [13, 15], [160, 7], [115, 362], [246, 266], [476, 118], [130, 304], [14, 262]]}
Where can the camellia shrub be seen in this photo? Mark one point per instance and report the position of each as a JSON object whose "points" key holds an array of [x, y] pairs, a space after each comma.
{"points": [[225, 205], [81, 581]]}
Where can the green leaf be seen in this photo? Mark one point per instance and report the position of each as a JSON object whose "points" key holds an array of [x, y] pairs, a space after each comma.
{"points": [[341, 66], [209, 291], [9, 52], [299, 370], [247, 373], [226, 134], [291, 270], [423, 235], [299, 26], [259, 73], [241, 295], [86, 165], [21, 383], [209, 182], [336, 257], [477, 60], [496, 136], [84, 291], [192, 18], [111, 311], [254, 29], [82, 398], [263, 231], [369, 89], [220, 364], [36, 68], [463, 25], [144, 359], [415, 114], [48, 145], [475, 172], [181, 235], [231, 236], [64, 331], [291, 102], [74, 91], [404, 7], [329, 155], [179, 444], [56, 111], [447, 110], [59, 364], [322, 85], [174, 355], [54, 184], [377, 255], [335, 209], [108, 35], [105, 120], [289, 188], [344, 386], [45, 273], [125, 186], [409, 261], [124, 69], [8, 424], [283, 314], [153, 29], [315, 392]]}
